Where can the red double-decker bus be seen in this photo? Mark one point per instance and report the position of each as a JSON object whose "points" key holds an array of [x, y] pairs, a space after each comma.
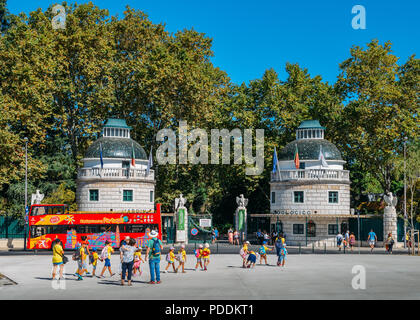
{"points": [[50, 221]]}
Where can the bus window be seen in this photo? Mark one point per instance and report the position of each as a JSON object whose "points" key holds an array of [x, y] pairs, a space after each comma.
{"points": [[38, 211], [137, 228], [38, 231], [107, 228]]}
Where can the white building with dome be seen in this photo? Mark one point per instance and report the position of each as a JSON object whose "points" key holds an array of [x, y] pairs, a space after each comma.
{"points": [[115, 184], [310, 203]]}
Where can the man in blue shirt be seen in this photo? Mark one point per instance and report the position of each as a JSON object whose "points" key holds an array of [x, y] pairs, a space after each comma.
{"points": [[372, 240], [153, 252]]}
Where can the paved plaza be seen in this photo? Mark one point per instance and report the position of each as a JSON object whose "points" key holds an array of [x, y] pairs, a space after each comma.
{"points": [[304, 277]]}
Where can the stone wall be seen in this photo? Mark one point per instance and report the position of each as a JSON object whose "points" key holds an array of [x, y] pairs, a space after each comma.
{"points": [[111, 196], [315, 197], [322, 235]]}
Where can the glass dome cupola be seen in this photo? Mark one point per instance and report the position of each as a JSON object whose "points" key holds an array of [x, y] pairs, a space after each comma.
{"points": [[116, 128], [310, 129]]}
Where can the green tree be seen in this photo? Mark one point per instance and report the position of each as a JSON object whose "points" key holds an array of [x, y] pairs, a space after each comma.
{"points": [[377, 116]]}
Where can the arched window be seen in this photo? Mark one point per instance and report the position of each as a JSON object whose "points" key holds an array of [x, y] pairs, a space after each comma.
{"points": [[311, 229]]}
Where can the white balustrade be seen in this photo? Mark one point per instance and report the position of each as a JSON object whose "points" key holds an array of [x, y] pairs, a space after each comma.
{"points": [[310, 174], [115, 173]]}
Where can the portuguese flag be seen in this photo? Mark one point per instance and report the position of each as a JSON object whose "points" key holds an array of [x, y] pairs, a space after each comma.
{"points": [[296, 160], [133, 157]]}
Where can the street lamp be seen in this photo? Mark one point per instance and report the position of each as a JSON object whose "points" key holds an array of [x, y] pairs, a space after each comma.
{"points": [[26, 188]]}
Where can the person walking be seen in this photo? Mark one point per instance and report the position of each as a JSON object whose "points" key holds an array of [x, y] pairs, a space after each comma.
{"points": [[347, 239], [199, 255], [182, 258], [230, 235], [170, 259], [57, 258], [128, 251], [106, 255], [236, 237], [216, 234], [206, 255], [153, 252], [372, 239], [339, 239], [389, 243], [259, 236], [279, 244], [352, 241]]}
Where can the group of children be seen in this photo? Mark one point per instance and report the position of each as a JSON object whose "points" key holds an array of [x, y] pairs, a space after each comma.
{"points": [[249, 257], [84, 256], [202, 255]]}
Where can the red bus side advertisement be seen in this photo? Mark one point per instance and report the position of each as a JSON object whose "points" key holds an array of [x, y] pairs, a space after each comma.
{"points": [[97, 227]]}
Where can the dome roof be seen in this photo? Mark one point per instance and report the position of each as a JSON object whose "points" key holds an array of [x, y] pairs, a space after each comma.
{"points": [[115, 148], [309, 150]]}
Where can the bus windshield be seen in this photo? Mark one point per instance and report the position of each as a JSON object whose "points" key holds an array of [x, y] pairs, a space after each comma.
{"points": [[39, 210]]}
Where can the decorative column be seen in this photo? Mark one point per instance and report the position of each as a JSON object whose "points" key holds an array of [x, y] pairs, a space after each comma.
{"points": [[390, 216], [241, 216], [181, 220]]}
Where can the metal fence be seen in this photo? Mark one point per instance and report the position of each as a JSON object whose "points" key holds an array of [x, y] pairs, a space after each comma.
{"points": [[11, 228]]}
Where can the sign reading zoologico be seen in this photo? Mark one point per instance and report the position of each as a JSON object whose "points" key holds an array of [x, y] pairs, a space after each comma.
{"points": [[294, 212], [69, 219]]}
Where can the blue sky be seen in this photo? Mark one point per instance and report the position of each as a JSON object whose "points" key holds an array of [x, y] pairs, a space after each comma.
{"points": [[252, 36]]}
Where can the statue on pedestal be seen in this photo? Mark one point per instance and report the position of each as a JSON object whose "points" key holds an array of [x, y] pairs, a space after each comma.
{"points": [[390, 215], [241, 216], [181, 219], [37, 197]]}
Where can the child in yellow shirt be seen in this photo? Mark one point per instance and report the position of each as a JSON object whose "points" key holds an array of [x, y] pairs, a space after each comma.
{"points": [[137, 261], [94, 260], [206, 256], [170, 258], [182, 258], [199, 255], [263, 252]]}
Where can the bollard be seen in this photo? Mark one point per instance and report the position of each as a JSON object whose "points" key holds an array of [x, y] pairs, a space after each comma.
{"points": [[300, 252], [325, 248], [313, 247], [217, 247]]}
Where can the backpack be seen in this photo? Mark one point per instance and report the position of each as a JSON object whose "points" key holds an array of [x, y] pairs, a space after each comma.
{"points": [[76, 254], [261, 250], [104, 253], [155, 248], [168, 257], [197, 253], [279, 244]]}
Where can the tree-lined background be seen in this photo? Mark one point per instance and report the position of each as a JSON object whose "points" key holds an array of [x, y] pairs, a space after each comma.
{"points": [[57, 87]]}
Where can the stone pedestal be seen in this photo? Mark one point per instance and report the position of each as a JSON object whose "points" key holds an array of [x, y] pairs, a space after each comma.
{"points": [[182, 225], [390, 222], [241, 222]]}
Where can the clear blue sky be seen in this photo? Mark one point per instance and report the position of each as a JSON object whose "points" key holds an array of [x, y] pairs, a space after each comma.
{"points": [[252, 36]]}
